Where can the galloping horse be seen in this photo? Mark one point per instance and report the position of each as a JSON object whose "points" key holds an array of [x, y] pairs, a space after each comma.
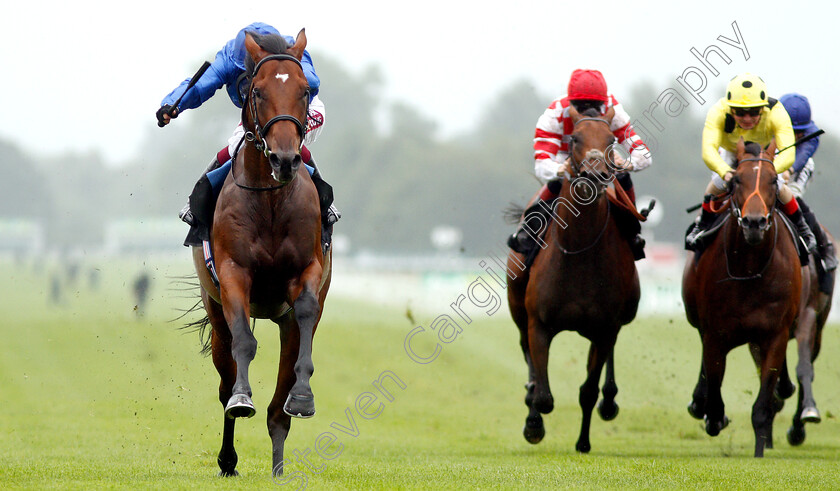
{"points": [[266, 241], [745, 288], [817, 292], [584, 280]]}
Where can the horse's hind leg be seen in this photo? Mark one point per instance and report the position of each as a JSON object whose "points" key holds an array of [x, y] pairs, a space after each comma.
{"points": [[784, 388], [220, 341], [697, 406], [805, 340], [279, 422], [598, 354], [607, 407], [301, 402]]}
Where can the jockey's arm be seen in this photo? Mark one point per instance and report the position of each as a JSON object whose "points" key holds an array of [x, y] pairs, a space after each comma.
{"points": [[621, 127], [712, 139], [549, 169], [221, 71]]}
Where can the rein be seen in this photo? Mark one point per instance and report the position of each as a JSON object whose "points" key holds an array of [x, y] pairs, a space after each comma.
{"points": [[738, 213]]}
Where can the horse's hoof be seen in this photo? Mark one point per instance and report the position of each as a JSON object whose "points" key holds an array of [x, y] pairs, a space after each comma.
{"points": [[231, 473], [695, 410], [713, 428], [810, 415], [239, 406], [784, 391], [298, 406], [608, 412], [534, 430], [796, 435], [583, 447], [778, 404]]}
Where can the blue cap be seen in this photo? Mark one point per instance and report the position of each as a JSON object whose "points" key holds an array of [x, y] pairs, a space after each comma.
{"points": [[798, 108]]}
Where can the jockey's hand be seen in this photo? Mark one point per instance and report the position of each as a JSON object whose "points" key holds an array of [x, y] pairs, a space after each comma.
{"points": [[165, 114], [785, 175], [564, 167], [619, 162], [728, 176]]}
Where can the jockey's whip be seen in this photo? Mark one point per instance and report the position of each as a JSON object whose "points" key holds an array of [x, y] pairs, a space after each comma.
{"points": [[172, 110], [800, 141]]}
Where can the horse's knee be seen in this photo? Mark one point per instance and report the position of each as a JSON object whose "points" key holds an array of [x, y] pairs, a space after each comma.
{"points": [[588, 395], [306, 308]]}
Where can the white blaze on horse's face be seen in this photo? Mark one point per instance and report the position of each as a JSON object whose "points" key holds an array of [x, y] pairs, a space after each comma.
{"points": [[282, 77]]}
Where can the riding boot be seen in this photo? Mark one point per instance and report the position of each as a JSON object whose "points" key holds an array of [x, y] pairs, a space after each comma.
{"points": [[707, 218], [637, 242], [825, 246], [804, 231], [186, 214], [524, 240], [329, 213]]}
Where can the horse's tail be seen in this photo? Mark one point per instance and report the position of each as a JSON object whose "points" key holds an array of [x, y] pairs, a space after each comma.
{"points": [[190, 283], [513, 213]]}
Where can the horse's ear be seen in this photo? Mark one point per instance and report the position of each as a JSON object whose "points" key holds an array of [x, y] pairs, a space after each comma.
{"points": [[296, 50], [770, 151], [573, 113], [254, 49], [740, 149], [609, 114]]}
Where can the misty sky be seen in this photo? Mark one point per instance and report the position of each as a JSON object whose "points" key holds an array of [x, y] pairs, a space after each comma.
{"points": [[89, 75]]}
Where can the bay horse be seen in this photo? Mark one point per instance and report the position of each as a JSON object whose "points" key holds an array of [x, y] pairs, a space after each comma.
{"points": [[815, 305], [745, 288], [584, 280], [265, 237]]}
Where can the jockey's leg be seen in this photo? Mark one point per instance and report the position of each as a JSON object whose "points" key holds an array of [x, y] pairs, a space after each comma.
{"points": [[186, 214], [825, 246], [707, 216], [534, 220], [790, 207], [329, 213], [637, 242]]}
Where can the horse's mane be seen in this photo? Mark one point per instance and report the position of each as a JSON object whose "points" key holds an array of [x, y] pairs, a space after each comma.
{"points": [[270, 42]]}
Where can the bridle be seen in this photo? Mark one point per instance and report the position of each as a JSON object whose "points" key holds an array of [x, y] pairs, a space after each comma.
{"points": [[258, 135], [739, 212], [576, 165], [260, 132]]}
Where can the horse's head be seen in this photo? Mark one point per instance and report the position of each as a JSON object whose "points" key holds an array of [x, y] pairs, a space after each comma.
{"points": [[278, 93], [753, 190], [591, 147]]}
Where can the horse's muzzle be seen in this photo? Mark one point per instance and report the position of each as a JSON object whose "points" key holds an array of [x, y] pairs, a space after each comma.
{"points": [[754, 228], [284, 165]]}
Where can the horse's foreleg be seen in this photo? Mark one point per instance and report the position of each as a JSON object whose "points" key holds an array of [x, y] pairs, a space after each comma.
{"points": [[773, 356], [279, 422], [538, 344], [301, 402], [598, 354], [220, 341], [235, 292], [607, 408], [714, 365]]}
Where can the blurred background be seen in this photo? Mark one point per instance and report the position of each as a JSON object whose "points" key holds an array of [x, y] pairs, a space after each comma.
{"points": [[430, 117]]}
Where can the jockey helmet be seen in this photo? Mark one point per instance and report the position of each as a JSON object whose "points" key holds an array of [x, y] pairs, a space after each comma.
{"points": [[587, 85], [798, 108], [746, 90]]}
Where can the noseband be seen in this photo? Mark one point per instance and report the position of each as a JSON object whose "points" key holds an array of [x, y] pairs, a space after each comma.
{"points": [[262, 131]]}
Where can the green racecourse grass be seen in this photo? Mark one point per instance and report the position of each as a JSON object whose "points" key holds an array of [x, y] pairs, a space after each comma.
{"points": [[95, 397]]}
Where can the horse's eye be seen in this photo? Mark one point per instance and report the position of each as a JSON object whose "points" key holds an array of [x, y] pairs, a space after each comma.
{"points": [[257, 93]]}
